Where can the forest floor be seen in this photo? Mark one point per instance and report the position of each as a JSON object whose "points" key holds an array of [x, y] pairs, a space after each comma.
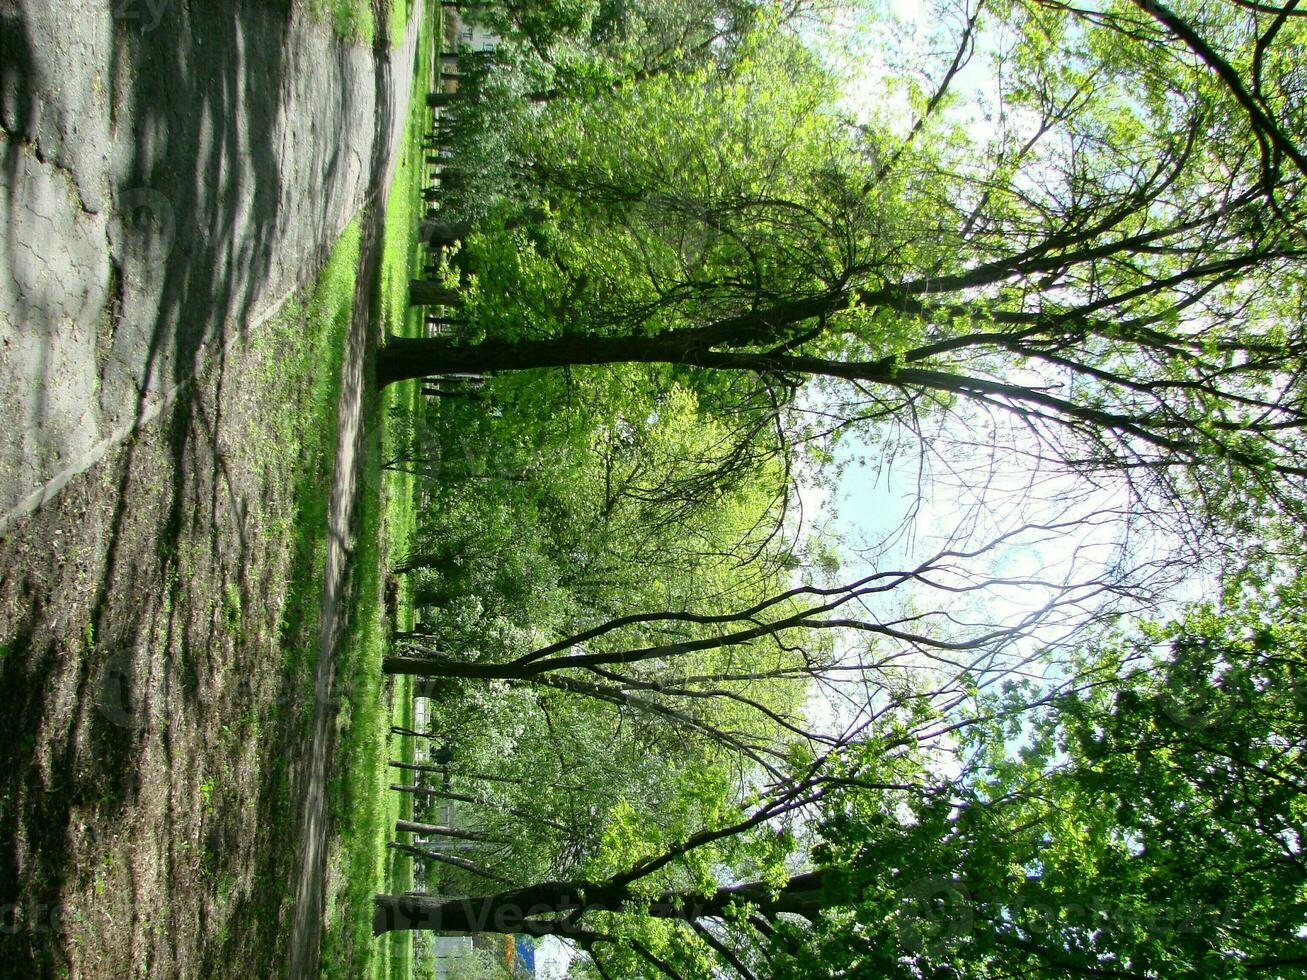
{"points": [[160, 595]]}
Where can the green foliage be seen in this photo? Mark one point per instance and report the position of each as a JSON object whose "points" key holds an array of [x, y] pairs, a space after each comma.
{"points": [[1149, 822], [1112, 266], [1108, 227]]}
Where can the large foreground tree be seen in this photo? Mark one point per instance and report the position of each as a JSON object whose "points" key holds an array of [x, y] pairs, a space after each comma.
{"points": [[1149, 826], [1104, 271]]}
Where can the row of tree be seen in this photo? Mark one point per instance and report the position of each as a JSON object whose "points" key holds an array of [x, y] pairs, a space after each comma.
{"points": [[701, 738]]}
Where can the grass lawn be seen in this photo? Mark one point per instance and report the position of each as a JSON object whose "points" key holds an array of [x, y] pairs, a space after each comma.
{"points": [[356, 20], [288, 347], [363, 809], [158, 640]]}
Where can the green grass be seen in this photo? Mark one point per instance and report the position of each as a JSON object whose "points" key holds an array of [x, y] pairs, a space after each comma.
{"points": [[355, 20], [397, 14], [364, 810], [308, 341], [296, 358]]}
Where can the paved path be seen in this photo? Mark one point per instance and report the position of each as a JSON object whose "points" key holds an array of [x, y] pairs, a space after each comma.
{"points": [[170, 171], [305, 939]]}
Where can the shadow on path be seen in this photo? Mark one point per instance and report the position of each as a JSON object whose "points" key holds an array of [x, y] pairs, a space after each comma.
{"points": [[168, 181]]}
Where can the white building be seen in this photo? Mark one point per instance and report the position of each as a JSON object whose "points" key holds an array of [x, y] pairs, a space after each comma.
{"points": [[476, 37]]}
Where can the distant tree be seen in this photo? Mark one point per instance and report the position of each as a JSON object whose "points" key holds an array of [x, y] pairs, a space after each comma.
{"points": [[685, 666]]}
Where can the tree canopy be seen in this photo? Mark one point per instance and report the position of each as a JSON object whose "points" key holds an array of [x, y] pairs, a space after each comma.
{"points": [[1144, 822], [1104, 269], [1056, 270]]}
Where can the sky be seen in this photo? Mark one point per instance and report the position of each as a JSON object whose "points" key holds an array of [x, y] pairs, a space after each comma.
{"points": [[996, 486]]}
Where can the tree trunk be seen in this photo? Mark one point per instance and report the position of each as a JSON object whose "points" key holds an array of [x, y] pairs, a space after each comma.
{"points": [[420, 631], [425, 292], [411, 357], [483, 777], [438, 100], [397, 730], [450, 859], [419, 767], [406, 357], [442, 232], [403, 358], [520, 910], [445, 794], [437, 830], [419, 790], [472, 396], [445, 667]]}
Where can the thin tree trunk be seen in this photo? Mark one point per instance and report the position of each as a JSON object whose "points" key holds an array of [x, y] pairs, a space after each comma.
{"points": [[397, 730], [446, 794], [417, 633], [419, 767], [419, 790], [479, 776], [439, 830], [451, 860], [472, 396]]}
